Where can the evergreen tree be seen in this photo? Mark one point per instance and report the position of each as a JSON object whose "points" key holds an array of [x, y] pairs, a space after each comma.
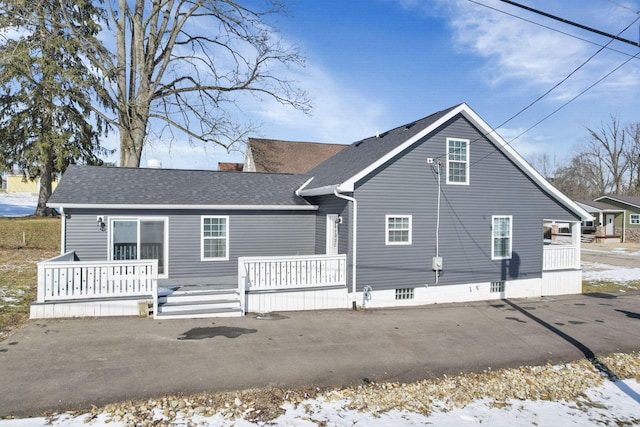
{"points": [[47, 88]]}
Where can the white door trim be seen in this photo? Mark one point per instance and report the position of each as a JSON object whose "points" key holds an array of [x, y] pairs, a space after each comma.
{"points": [[332, 234]]}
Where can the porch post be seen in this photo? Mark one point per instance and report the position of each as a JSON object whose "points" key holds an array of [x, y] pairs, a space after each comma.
{"points": [[576, 241]]}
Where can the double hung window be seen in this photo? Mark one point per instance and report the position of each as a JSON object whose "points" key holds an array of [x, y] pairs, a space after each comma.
{"points": [[501, 243], [398, 230], [457, 161], [215, 238]]}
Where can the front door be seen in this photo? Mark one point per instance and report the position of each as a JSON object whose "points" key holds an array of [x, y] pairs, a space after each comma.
{"points": [[609, 224], [332, 234]]}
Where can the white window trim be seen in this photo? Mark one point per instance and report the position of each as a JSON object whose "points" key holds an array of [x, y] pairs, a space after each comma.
{"points": [[386, 230], [637, 217], [137, 219], [466, 182], [493, 237], [202, 238]]}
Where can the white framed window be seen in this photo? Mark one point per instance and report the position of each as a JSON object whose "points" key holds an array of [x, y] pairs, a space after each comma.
{"points": [[501, 239], [457, 161], [634, 219], [397, 229], [134, 238], [215, 238]]}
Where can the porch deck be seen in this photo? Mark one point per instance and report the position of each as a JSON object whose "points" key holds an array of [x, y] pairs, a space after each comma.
{"points": [[68, 287]]}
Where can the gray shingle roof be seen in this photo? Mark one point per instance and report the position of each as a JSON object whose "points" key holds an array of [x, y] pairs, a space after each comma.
{"points": [[596, 206], [131, 186], [361, 154]]}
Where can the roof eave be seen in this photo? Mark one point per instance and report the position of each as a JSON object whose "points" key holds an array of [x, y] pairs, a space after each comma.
{"points": [[184, 207], [524, 165], [617, 200]]}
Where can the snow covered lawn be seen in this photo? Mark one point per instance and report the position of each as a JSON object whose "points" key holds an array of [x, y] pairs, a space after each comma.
{"points": [[17, 204]]}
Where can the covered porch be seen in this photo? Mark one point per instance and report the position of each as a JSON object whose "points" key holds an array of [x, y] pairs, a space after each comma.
{"points": [[561, 269]]}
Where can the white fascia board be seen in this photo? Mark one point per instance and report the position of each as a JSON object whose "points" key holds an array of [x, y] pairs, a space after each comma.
{"points": [[303, 186], [320, 191], [190, 207], [617, 200], [524, 165], [350, 183]]}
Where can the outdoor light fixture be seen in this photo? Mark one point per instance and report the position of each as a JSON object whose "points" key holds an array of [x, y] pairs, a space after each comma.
{"points": [[101, 223]]}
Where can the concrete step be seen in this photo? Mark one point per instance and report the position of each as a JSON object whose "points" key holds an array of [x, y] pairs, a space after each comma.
{"points": [[197, 296], [197, 289], [202, 313], [174, 307]]}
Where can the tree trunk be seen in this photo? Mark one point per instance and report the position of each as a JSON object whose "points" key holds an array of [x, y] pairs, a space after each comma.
{"points": [[46, 178]]}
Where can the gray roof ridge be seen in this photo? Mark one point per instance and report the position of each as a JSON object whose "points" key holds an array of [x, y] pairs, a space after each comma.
{"points": [[297, 142]]}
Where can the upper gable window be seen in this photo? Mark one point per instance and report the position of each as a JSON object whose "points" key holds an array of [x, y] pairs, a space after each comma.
{"points": [[457, 161]]}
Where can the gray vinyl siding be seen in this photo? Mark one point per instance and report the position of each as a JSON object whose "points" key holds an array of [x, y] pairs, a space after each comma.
{"points": [[251, 233], [407, 185]]}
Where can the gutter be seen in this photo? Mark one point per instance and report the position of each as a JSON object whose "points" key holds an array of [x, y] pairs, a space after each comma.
{"points": [[355, 243]]}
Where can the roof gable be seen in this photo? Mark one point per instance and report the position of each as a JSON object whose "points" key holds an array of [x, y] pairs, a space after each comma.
{"points": [[277, 156], [84, 186], [342, 171]]}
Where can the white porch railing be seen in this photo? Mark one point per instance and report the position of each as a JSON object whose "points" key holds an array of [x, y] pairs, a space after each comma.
{"points": [[560, 257], [291, 272], [62, 278]]}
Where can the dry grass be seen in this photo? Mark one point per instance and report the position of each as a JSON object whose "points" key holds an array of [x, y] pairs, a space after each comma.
{"points": [[30, 232], [23, 242], [603, 286]]}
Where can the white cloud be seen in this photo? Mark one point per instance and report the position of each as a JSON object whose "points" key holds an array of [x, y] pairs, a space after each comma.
{"points": [[534, 57], [340, 113]]}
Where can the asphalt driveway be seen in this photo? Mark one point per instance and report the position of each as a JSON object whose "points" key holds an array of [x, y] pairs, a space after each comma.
{"points": [[70, 364]]}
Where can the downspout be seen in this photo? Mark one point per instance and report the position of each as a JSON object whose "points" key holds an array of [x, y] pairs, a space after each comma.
{"points": [[63, 237], [355, 243]]}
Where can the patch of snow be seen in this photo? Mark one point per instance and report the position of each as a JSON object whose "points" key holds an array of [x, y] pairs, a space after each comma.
{"points": [[17, 204], [611, 273], [613, 403]]}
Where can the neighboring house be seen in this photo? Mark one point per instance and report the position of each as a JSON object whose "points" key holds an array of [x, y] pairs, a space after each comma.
{"points": [[272, 155], [619, 215], [437, 210], [607, 224], [230, 167], [18, 183]]}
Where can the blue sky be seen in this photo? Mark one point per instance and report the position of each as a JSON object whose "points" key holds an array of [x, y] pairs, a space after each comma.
{"points": [[372, 65]]}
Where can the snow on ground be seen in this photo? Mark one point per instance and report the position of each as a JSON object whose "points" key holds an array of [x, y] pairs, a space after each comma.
{"points": [[17, 204], [613, 403], [609, 273]]}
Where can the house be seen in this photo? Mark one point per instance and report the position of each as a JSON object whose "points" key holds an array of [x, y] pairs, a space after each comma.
{"points": [[619, 216], [229, 166], [277, 156], [16, 182], [437, 210]]}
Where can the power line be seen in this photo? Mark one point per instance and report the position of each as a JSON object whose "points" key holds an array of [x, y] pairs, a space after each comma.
{"points": [[549, 28], [563, 105], [493, 129], [575, 24], [566, 77]]}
